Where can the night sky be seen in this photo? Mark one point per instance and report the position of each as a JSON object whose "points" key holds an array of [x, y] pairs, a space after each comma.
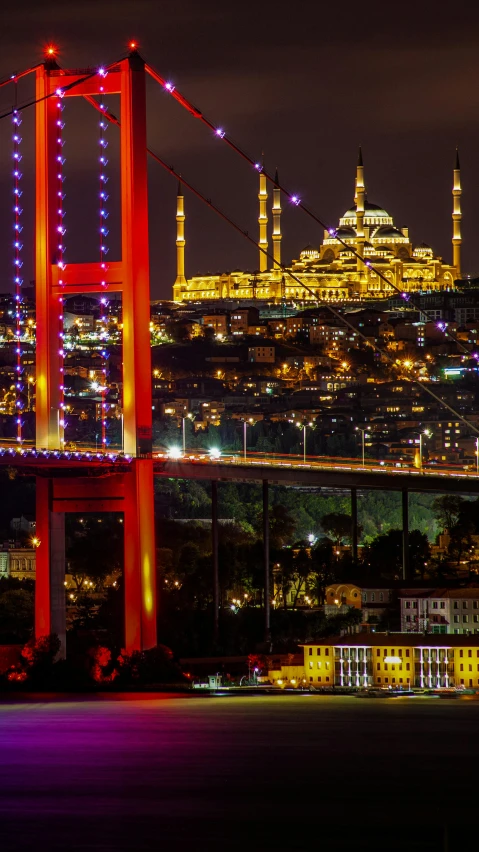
{"points": [[306, 83]]}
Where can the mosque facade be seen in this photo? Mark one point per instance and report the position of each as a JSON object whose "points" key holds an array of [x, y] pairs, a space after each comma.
{"points": [[366, 256]]}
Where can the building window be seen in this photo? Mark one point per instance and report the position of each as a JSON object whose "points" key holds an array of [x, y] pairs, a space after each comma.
{"points": [[407, 652], [414, 604], [326, 652], [381, 596], [408, 618], [461, 667], [310, 665], [465, 618], [464, 604], [378, 680], [442, 605], [386, 680], [407, 667], [310, 652], [434, 604], [408, 604], [469, 653], [365, 597], [378, 653], [456, 605], [456, 619], [318, 651], [373, 596], [378, 666], [474, 604], [461, 653]]}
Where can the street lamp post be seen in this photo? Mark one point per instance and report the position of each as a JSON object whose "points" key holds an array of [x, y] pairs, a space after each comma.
{"points": [[245, 426], [304, 426], [363, 436], [428, 434], [183, 427]]}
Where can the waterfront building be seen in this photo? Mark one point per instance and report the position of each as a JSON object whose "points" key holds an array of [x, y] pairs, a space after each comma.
{"points": [[343, 268], [397, 660]]}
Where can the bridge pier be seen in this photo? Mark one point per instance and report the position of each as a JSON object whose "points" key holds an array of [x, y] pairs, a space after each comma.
{"points": [[354, 524], [405, 535], [50, 614], [267, 607], [130, 493], [214, 546]]}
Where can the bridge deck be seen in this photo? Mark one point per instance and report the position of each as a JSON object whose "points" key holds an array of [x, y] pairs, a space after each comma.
{"points": [[334, 473]]}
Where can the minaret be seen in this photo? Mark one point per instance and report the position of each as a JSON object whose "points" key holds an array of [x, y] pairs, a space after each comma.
{"points": [[180, 236], [359, 199], [263, 222], [276, 210], [456, 217]]}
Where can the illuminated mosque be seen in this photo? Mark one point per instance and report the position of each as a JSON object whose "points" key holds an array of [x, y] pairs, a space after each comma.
{"points": [[344, 266]]}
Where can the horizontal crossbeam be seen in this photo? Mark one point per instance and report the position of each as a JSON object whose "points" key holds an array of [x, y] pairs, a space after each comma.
{"points": [[83, 277]]}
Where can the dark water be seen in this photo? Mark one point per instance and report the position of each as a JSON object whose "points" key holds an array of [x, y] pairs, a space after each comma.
{"points": [[299, 773]]}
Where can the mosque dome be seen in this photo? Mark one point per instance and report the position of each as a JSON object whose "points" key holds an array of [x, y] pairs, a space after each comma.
{"points": [[370, 210], [388, 232], [345, 233]]}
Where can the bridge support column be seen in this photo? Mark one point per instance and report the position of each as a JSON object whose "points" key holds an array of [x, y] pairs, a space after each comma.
{"points": [[267, 610], [50, 612], [354, 524], [140, 558], [214, 546], [405, 535]]}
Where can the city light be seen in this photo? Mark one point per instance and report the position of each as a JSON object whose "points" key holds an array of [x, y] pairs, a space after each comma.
{"points": [[214, 453], [175, 453]]}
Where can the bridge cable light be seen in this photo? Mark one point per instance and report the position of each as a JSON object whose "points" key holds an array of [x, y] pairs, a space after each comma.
{"points": [[197, 113], [60, 257], [103, 233], [244, 232], [17, 265]]}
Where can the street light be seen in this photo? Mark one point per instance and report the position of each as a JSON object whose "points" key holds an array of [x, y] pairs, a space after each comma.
{"points": [[427, 433], [363, 435], [245, 424], [183, 421], [304, 426]]}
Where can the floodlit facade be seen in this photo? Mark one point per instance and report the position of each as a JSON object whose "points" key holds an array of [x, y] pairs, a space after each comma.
{"points": [[366, 256], [396, 660]]}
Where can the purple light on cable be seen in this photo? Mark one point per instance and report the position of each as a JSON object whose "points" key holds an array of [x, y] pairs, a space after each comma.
{"points": [[169, 87], [220, 132], [295, 200]]}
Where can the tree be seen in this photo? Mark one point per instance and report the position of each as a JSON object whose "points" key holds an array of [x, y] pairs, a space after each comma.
{"points": [[16, 615], [95, 549], [384, 554], [281, 526], [447, 510], [338, 526]]}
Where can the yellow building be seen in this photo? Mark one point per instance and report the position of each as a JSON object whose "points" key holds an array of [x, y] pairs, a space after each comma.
{"points": [[343, 268], [389, 660]]}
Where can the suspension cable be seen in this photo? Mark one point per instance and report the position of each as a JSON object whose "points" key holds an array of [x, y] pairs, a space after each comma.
{"points": [[114, 120], [220, 133]]}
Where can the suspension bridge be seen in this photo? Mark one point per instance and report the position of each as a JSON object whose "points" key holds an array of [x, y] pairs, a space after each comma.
{"points": [[89, 481]]}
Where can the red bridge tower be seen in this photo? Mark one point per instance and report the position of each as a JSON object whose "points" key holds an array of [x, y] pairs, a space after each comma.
{"points": [[131, 492]]}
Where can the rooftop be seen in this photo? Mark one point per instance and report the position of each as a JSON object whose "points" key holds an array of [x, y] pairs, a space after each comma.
{"points": [[411, 640]]}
